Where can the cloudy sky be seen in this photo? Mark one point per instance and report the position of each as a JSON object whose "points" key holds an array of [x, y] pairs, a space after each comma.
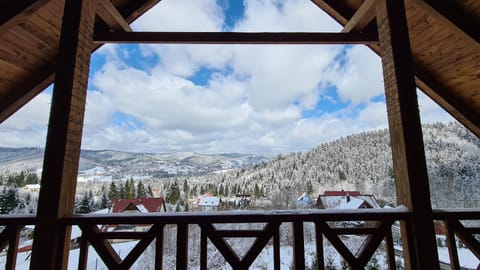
{"points": [[224, 98]]}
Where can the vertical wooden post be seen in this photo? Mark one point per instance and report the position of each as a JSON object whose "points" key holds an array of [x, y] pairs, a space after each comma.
{"points": [[13, 239], [62, 151], [159, 249], [203, 249], [276, 248], [452, 246], [319, 246], [83, 253], [411, 177], [182, 246], [298, 245]]}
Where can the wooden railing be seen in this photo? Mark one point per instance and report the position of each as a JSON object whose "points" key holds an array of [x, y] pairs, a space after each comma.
{"points": [[100, 231], [9, 237], [464, 224]]}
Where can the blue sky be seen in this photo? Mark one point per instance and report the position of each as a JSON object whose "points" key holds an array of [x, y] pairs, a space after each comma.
{"points": [[224, 98]]}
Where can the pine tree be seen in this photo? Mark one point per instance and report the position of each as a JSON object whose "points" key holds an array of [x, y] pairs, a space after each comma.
{"points": [[141, 192], [185, 186], [130, 189], [122, 194], [31, 179], [113, 192], [104, 203], [93, 205], [8, 200], [150, 191], [84, 205]]}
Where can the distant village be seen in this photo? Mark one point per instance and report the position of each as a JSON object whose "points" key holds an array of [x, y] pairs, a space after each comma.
{"points": [[211, 202]]}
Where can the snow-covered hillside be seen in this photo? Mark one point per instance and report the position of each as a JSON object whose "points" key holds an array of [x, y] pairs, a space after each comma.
{"points": [[363, 162]]}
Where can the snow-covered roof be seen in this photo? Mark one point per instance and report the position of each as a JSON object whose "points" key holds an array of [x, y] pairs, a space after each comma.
{"points": [[151, 204], [333, 201], [353, 203], [209, 201], [304, 197], [142, 208]]}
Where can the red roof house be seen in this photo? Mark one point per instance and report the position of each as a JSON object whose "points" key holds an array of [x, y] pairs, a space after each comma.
{"points": [[140, 205]]}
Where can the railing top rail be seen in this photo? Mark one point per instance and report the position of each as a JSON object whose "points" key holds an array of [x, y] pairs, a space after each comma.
{"points": [[6, 220], [257, 216], [456, 213]]}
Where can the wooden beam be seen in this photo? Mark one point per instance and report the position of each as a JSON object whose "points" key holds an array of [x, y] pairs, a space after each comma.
{"points": [[135, 9], [234, 38], [459, 109], [23, 93], [450, 16], [364, 15], [411, 178], [338, 10], [112, 17], [14, 12], [62, 151]]}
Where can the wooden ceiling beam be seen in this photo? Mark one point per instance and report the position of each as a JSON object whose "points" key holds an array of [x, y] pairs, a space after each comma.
{"points": [[452, 17], [112, 17], [336, 9], [20, 96], [16, 11], [364, 15], [443, 97], [291, 38]]}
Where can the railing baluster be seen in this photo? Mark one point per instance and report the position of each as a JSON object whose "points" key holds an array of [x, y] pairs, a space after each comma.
{"points": [[159, 249], [276, 248], [319, 246], [182, 246], [83, 256], [452, 245], [298, 245], [203, 249], [390, 250], [13, 237]]}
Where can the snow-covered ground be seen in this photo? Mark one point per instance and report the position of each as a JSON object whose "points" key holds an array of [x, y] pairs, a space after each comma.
{"points": [[94, 261]]}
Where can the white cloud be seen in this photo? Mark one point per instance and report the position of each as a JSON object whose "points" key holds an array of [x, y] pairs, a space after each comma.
{"points": [[359, 78], [374, 115], [430, 111], [181, 15], [285, 16], [28, 126]]}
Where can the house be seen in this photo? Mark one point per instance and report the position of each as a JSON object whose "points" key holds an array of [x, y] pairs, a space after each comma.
{"points": [[304, 201], [209, 203], [134, 206], [140, 205], [346, 200]]}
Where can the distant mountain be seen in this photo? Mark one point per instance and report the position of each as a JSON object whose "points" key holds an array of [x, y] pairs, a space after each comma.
{"points": [[119, 164], [360, 162]]}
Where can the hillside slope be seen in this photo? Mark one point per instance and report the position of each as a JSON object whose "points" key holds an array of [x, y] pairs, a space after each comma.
{"points": [[363, 162]]}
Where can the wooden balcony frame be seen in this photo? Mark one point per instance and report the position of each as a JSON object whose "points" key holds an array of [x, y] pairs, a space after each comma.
{"points": [[62, 151]]}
